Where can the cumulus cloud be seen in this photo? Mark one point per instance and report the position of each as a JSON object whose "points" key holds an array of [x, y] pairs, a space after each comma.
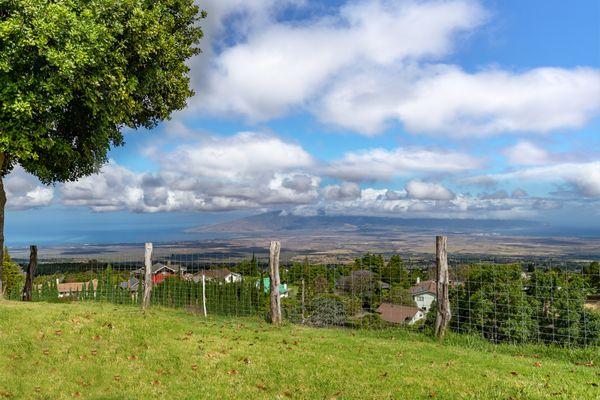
{"points": [[374, 62], [278, 65], [344, 191], [445, 100], [247, 170], [526, 153], [23, 191], [383, 164], [584, 178], [428, 191]]}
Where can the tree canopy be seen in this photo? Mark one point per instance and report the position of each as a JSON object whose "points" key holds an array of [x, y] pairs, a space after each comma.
{"points": [[73, 73]]}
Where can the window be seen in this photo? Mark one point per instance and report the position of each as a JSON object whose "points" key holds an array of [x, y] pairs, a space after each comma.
{"points": [[420, 298]]}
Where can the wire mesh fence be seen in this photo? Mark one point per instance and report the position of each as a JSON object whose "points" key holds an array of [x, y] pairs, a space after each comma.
{"points": [[520, 302]]}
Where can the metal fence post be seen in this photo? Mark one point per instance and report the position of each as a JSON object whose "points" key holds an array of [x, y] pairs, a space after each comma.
{"points": [[204, 293], [274, 250], [147, 276], [443, 303]]}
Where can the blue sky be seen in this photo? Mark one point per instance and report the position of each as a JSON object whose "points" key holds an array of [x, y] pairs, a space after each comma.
{"points": [[442, 109]]}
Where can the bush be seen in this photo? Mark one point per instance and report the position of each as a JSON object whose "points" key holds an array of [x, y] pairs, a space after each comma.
{"points": [[12, 277], [291, 310], [327, 310]]}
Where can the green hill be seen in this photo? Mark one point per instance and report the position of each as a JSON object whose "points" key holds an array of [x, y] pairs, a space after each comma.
{"points": [[103, 351]]}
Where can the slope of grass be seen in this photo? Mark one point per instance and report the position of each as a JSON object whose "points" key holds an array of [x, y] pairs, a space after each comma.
{"points": [[102, 351]]}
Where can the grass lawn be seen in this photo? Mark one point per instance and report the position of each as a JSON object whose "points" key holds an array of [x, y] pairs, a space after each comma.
{"points": [[103, 351]]}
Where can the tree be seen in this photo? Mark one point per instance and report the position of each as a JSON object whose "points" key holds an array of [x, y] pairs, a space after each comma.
{"points": [[13, 277], [73, 73], [395, 272], [592, 275]]}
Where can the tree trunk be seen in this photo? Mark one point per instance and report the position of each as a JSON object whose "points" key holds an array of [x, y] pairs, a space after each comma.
{"points": [[2, 204]]}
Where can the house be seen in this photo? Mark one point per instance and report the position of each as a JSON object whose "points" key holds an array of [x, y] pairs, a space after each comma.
{"points": [[222, 274], [398, 314], [68, 288], [160, 271], [424, 293]]}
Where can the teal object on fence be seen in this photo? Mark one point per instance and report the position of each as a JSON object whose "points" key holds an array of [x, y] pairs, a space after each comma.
{"points": [[267, 286]]}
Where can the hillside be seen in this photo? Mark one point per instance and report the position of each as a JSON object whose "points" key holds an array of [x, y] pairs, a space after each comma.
{"points": [[277, 221], [95, 351]]}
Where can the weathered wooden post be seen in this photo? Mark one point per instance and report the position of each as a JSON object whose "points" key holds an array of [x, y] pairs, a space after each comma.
{"points": [[204, 293], [274, 250], [31, 267], [443, 302], [147, 276]]}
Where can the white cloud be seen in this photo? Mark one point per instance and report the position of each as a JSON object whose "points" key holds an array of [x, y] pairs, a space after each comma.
{"points": [[428, 191], [247, 170], [382, 164], [527, 153], [279, 65], [445, 100], [584, 178], [373, 62], [245, 154], [24, 191], [344, 191]]}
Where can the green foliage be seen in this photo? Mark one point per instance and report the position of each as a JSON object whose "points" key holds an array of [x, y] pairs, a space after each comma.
{"points": [[12, 277], [395, 272], [400, 295], [73, 73], [371, 262], [503, 305], [327, 310], [591, 273]]}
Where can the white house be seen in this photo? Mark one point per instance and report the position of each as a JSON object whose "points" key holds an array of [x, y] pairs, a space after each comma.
{"points": [[223, 274], [424, 293]]}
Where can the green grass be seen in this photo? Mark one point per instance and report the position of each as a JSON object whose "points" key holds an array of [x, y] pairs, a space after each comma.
{"points": [[103, 351]]}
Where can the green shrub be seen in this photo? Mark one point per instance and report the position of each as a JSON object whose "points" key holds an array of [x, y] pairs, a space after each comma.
{"points": [[327, 310]]}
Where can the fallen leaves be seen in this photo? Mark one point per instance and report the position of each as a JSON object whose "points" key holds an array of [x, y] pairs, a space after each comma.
{"points": [[194, 367], [155, 382], [233, 372], [58, 332], [513, 373], [132, 358], [537, 364], [585, 364]]}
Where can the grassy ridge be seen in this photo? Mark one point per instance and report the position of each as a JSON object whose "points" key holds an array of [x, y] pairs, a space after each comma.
{"points": [[103, 351]]}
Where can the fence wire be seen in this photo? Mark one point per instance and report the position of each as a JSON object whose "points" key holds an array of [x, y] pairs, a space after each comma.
{"points": [[523, 302]]}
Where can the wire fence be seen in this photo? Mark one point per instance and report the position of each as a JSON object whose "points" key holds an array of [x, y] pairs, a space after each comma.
{"points": [[520, 302]]}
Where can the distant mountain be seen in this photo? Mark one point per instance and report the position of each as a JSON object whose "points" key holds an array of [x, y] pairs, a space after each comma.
{"points": [[276, 221]]}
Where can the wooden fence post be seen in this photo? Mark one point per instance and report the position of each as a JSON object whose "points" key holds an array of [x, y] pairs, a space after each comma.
{"points": [[30, 272], [443, 303], [274, 250], [147, 276]]}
